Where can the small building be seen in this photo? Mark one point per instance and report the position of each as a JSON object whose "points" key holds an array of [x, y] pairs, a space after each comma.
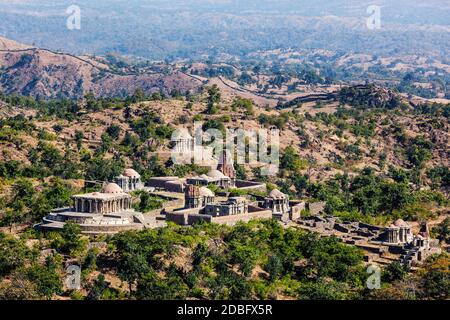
{"points": [[278, 202], [233, 206], [106, 212], [130, 181], [197, 197], [399, 232]]}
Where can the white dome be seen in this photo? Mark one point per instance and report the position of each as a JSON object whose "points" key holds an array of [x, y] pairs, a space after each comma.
{"points": [[131, 173], [205, 192], [216, 174], [112, 188], [400, 223], [182, 134], [277, 194]]}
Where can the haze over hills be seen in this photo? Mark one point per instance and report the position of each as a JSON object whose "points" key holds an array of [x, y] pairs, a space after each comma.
{"points": [[158, 29]]}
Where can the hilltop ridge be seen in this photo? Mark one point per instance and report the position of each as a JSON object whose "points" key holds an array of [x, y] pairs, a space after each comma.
{"points": [[44, 74]]}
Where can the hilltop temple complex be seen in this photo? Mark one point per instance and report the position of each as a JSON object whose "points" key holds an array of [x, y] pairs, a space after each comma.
{"points": [[110, 211]]}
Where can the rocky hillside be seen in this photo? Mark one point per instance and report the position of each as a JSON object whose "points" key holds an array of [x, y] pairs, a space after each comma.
{"points": [[41, 73], [335, 136]]}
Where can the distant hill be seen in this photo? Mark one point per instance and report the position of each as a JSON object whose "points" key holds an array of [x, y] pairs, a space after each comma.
{"points": [[161, 29], [42, 73]]}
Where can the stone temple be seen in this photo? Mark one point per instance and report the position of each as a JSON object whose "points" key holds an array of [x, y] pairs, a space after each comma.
{"points": [[106, 212], [399, 232], [130, 181], [201, 205], [197, 197]]}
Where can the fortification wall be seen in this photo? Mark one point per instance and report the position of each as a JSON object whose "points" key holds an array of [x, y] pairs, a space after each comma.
{"points": [[230, 220], [250, 185], [190, 217]]}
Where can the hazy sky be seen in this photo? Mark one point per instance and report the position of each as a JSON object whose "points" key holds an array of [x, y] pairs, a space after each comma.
{"points": [[144, 27]]}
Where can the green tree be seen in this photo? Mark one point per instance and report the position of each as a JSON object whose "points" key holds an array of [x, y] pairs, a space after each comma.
{"points": [[71, 241], [275, 267], [214, 97], [47, 279], [13, 254]]}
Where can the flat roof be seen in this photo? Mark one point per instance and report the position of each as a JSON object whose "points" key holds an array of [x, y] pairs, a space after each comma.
{"points": [[101, 196]]}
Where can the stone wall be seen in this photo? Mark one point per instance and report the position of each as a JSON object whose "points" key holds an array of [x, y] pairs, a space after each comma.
{"points": [[230, 220], [178, 218], [369, 226], [251, 185], [316, 207], [296, 210], [190, 217]]}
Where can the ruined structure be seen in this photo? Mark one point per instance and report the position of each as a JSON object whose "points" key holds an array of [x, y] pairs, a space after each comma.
{"points": [[383, 245], [106, 212]]}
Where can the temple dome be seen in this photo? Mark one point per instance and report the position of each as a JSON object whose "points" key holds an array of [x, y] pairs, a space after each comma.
{"points": [[277, 194], [400, 223], [112, 188], [205, 192], [216, 174], [131, 173], [182, 134]]}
